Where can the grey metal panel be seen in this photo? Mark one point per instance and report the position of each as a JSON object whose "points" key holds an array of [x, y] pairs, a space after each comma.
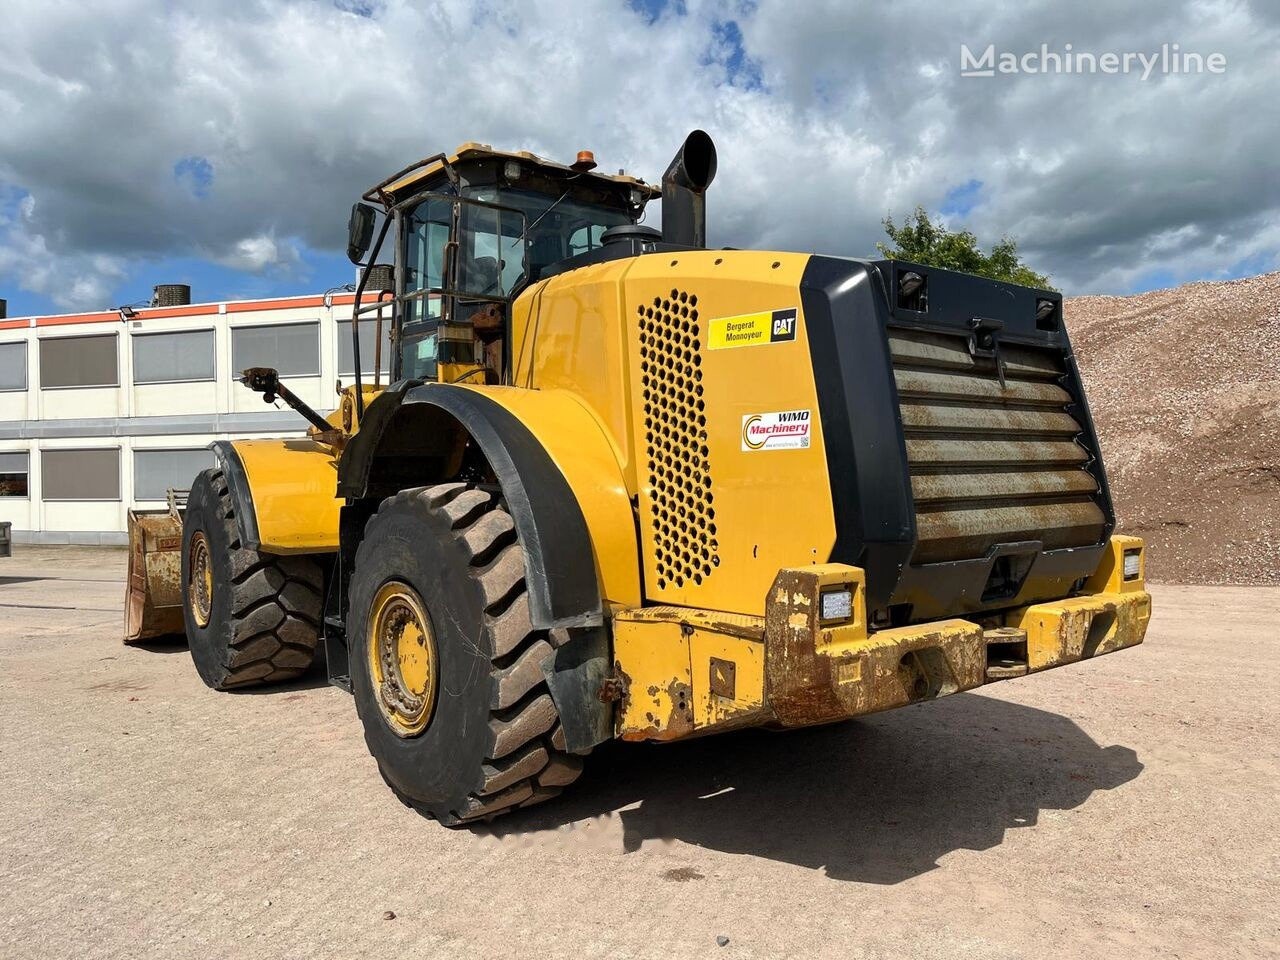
{"points": [[155, 471], [176, 355], [89, 361], [13, 365], [80, 474], [293, 349], [368, 329], [282, 421]]}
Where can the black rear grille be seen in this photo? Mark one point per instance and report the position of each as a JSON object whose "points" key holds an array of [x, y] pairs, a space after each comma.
{"points": [[992, 462]]}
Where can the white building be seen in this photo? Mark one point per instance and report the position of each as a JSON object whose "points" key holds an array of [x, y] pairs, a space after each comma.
{"points": [[101, 412]]}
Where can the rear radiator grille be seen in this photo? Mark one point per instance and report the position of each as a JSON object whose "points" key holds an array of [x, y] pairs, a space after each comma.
{"points": [[675, 424], [991, 463]]}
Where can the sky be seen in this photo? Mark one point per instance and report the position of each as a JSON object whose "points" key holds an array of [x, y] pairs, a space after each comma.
{"points": [[221, 143]]}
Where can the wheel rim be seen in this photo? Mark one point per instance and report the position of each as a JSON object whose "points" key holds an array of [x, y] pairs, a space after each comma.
{"points": [[402, 659], [200, 584]]}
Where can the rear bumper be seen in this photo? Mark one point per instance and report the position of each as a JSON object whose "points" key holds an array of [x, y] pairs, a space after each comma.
{"points": [[817, 674], [687, 672]]}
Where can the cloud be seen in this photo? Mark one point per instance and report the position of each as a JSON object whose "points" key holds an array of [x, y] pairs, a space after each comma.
{"points": [[256, 254], [71, 281], [240, 132]]}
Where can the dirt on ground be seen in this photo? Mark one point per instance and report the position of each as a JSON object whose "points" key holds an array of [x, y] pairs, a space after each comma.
{"points": [[1124, 807], [1184, 385]]}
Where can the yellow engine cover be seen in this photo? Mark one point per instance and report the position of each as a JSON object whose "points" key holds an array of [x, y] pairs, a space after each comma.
{"points": [[697, 365]]}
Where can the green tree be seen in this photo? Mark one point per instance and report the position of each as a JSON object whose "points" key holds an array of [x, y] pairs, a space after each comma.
{"points": [[923, 240]]}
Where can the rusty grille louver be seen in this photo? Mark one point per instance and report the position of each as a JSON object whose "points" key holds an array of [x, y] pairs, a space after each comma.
{"points": [[991, 463], [675, 426]]}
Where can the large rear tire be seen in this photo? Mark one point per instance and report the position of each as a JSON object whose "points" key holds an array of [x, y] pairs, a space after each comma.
{"points": [[446, 667], [251, 618]]}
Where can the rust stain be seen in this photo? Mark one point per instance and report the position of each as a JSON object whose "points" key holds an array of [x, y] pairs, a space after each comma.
{"points": [[680, 721], [621, 674], [611, 690], [812, 679]]}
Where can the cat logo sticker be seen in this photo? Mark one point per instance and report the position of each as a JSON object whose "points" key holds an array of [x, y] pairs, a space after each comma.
{"points": [[753, 329]]}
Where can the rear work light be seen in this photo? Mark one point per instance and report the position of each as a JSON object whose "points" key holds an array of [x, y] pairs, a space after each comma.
{"points": [[837, 604], [1132, 564]]}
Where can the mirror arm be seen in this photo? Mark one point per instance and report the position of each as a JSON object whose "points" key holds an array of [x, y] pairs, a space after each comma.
{"points": [[266, 381]]}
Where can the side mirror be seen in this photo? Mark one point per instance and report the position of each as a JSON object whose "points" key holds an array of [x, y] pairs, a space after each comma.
{"points": [[359, 231]]}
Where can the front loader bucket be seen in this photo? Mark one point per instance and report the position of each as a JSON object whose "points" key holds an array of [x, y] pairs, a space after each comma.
{"points": [[153, 598]]}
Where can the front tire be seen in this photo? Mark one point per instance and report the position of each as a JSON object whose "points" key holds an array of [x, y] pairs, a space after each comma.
{"points": [[474, 732], [251, 618]]}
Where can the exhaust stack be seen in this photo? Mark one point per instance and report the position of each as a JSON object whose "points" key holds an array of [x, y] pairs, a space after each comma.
{"points": [[684, 185]]}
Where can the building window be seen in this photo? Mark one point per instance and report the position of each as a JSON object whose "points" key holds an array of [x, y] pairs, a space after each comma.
{"points": [[80, 474], [79, 362], [368, 330], [13, 474], [155, 472], [171, 357], [293, 349], [13, 366]]}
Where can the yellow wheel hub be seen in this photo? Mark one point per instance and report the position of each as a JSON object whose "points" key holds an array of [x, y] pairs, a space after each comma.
{"points": [[200, 585], [402, 659]]}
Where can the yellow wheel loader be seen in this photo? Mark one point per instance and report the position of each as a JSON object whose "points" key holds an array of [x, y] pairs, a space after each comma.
{"points": [[624, 486]]}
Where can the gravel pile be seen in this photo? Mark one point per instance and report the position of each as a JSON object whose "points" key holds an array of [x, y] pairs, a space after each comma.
{"points": [[1184, 385]]}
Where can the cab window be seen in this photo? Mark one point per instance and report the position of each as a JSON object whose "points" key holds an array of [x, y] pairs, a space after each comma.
{"points": [[486, 264], [425, 234]]}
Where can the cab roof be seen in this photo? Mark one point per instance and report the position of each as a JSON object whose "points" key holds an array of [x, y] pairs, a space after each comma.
{"points": [[387, 191]]}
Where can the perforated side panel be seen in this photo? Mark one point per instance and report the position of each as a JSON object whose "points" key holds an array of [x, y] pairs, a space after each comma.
{"points": [[676, 440]]}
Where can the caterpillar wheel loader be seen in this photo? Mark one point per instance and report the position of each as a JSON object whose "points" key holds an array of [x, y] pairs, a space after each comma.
{"points": [[624, 486]]}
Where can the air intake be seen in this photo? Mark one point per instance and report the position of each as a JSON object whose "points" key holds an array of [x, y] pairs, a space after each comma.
{"points": [[683, 521]]}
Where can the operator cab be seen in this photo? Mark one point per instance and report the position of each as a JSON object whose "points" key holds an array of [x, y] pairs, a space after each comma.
{"points": [[471, 232]]}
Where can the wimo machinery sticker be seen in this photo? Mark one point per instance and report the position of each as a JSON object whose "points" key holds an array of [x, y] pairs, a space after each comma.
{"points": [[784, 430]]}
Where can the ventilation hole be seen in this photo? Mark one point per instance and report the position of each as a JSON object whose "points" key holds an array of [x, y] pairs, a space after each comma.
{"points": [[675, 433]]}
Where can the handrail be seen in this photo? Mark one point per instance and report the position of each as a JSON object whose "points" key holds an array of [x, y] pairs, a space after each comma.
{"points": [[355, 314], [375, 193]]}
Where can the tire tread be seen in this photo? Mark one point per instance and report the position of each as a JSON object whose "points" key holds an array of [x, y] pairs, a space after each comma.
{"points": [[276, 608], [526, 761]]}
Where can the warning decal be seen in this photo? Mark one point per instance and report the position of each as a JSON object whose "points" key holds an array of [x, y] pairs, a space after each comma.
{"points": [[785, 430], [752, 329]]}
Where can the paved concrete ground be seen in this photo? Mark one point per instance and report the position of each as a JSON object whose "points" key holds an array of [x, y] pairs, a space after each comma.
{"points": [[1125, 807]]}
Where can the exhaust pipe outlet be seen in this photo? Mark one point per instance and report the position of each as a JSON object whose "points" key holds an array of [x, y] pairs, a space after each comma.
{"points": [[684, 186]]}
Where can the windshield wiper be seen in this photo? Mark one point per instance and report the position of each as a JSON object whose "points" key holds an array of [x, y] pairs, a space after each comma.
{"points": [[542, 216]]}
